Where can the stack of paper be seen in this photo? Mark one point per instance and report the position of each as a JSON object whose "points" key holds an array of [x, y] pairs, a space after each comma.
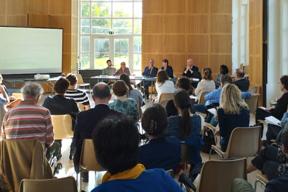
{"points": [[273, 121], [213, 111], [193, 97]]}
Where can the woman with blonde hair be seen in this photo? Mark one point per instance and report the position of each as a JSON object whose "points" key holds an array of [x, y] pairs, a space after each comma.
{"points": [[123, 70], [206, 84], [233, 113], [163, 84]]}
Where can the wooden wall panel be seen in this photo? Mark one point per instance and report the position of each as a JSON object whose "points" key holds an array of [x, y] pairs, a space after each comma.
{"points": [[191, 29], [38, 20]]}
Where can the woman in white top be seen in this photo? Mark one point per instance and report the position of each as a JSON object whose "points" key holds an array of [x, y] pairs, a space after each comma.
{"points": [[132, 93], [206, 84], [163, 84]]}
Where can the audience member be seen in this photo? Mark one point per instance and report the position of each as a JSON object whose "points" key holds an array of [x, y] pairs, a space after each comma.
{"points": [[163, 84], [132, 93], [284, 121], [116, 143], [122, 70], [4, 184], [76, 94], [242, 83], [233, 113], [281, 106], [123, 104], [223, 71], [87, 120], [161, 151], [167, 68], [59, 105], [190, 68], [206, 84], [30, 121], [149, 71], [273, 163]]}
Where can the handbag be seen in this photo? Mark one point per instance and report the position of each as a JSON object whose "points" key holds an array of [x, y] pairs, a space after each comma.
{"points": [[209, 139]]}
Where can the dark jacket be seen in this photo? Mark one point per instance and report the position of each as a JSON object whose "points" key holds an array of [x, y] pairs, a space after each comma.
{"points": [[59, 105], [152, 74], [169, 71], [86, 122], [189, 74], [243, 84], [278, 185], [281, 107]]}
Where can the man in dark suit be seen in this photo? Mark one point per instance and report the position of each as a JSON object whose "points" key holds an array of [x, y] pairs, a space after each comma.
{"points": [[242, 83], [191, 71], [149, 71], [87, 120]]}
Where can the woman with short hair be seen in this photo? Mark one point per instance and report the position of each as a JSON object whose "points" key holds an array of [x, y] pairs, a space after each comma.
{"points": [[206, 84], [163, 85], [123, 104]]}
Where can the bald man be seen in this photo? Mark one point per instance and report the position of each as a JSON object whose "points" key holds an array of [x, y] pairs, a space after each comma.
{"points": [[191, 71], [242, 83]]}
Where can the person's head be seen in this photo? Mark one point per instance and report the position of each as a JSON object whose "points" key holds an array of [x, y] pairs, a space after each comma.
{"points": [[109, 63], [165, 63], [123, 65], [151, 62], [183, 104], [126, 79], [240, 73], [284, 139], [231, 100], [154, 120], [225, 79], [32, 91], [183, 83], [190, 62], [61, 86], [207, 72], [72, 78], [162, 77], [101, 93], [224, 69], [284, 83], [4, 184], [116, 143], [120, 88]]}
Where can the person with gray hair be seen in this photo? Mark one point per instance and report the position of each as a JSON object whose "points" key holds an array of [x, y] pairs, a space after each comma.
{"points": [[242, 83], [87, 120], [28, 120]]}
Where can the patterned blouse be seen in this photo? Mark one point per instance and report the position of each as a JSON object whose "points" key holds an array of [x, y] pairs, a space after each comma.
{"points": [[282, 158], [128, 107], [174, 128]]}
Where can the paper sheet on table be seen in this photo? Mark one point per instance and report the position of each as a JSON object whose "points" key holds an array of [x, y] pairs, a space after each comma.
{"points": [[273, 121], [263, 108], [195, 79], [213, 111], [193, 97]]}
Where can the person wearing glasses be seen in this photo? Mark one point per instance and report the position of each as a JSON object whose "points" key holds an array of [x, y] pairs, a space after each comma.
{"points": [[122, 70]]}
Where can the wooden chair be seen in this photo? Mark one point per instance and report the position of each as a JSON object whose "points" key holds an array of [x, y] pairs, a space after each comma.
{"points": [[88, 161], [62, 125], [243, 142], [185, 155], [171, 173], [217, 176], [81, 83], [67, 184], [139, 109], [164, 98], [252, 103], [202, 99], [262, 179], [17, 95], [246, 69], [253, 90], [241, 65], [80, 106]]}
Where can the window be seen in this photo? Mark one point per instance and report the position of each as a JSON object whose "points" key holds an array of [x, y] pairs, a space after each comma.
{"points": [[97, 19]]}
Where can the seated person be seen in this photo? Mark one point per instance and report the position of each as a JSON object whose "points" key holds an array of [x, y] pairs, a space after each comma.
{"points": [[110, 71], [163, 85], [28, 120], [132, 93], [149, 71], [186, 126], [223, 71], [76, 94], [116, 143], [242, 83], [161, 151], [123, 104], [233, 113], [59, 105], [281, 106], [167, 68], [122, 70], [87, 120], [191, 71], [273, 163], [206, 84]]}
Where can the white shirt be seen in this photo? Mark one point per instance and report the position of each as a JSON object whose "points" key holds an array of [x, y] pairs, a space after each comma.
{"points": [[204, 86], [166, 87]]}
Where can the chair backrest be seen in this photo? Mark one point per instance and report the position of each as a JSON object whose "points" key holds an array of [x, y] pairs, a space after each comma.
{"points": [[62, 126], [80, 79], [246, 69], [253, 90], [165, 97], [17, 95], [171, 173], [241, 66], [139, 109], [80, 106], [185, 153], [244, 142], [67, 184], [202, 99], [252, 103], [88, 159], [217, 176]]}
